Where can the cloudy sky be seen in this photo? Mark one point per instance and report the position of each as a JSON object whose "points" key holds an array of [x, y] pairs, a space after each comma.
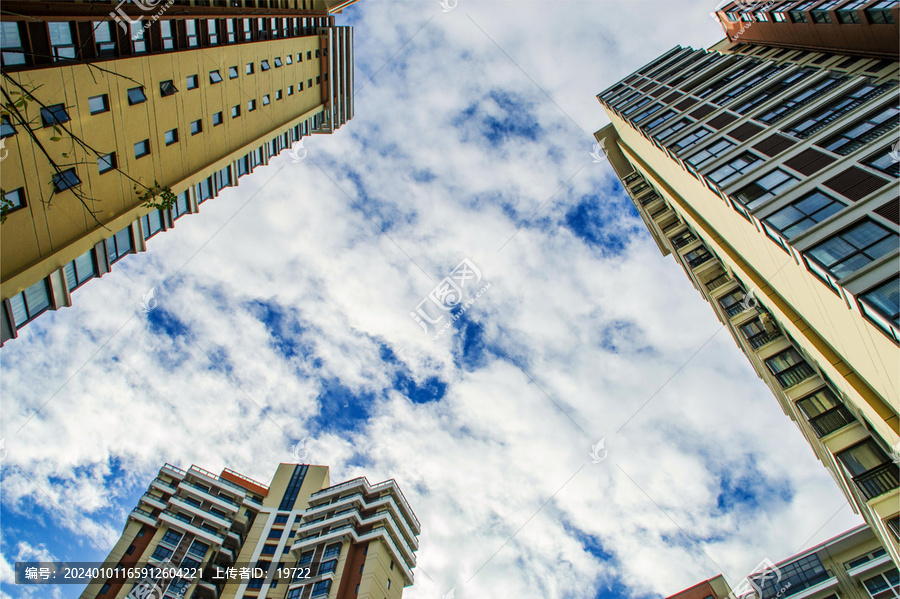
{"points": [[283, 313]]}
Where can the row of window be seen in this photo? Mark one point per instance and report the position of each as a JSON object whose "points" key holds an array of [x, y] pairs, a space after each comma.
{"points": [[65, 41]]}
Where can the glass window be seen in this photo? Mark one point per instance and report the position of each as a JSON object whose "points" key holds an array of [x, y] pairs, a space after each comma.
{"points": [[138, 43], [249, 69], [106, 162], [873, 126], [265, 100], [232, 72], [251, 105], [814, 122], [181, 205], [213, 31], [217, 119], [172, 538], [136, 96], [332, 550], [54, 115], [269, 549], [734, 168], [198, 549], [766, 187], [796, 576], [193, 82], [796, 100], [168, 34], [278, 62], [690, 139], [11, 44], [802, 214], [235, 112], [883, 302], [861, 458], [196, 127], [161, 553], [167, 88], [818, 403], [31, 302], [676, 126], [215, 77], [98, 104], [786, 359], [264, 65], [885, 161], [66, 180], [290, 90], [152, 223], [142, 148], [190, 26], [171, 136], [6, 127], [119, 245], [710, 153], [321, 589], [61, 40], [854, 247], [13, 200], [278, 94]]}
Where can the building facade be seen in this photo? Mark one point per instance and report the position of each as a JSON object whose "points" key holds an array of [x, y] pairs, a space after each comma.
{"points": [[121, 103], [852, 565], [296, 538], [771, 176], [864, 28]]}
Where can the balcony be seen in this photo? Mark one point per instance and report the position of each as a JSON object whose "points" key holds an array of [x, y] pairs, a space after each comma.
{"points": [[153, 501], [699, 260], [672, 227], [142, 515], [795, 374], [831, 420], [680, 242], [878, 480], [722, 279], [162, 485], [178, 522], [760, 339], [660, 213], [204, 494]]}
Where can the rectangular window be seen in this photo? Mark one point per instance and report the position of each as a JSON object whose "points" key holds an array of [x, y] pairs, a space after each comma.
{"points": [[676, 126], [871, 127], [885, 160], [332, 550], [881, 305], [235, 112], [249, 69], [168, 34], [61, 43], [269, 549], [172, 538], [11, 43], [776, 90], [190, 26], [193, 82], [306, 558], [181, 205], [710, 153], [217, 119], [734, 168], [264, 65], [54, 115], [278, 95], [290, 90], [167, 88], [14, 200], [66, 180], [152, 224], [142, 148], [765, 188], [277, 62], [251, 105], [300, 86], [213, 31], [690, 139], [659, 119], [804, 213], [854, 247], [321, 589], [119, 245], [171, 137], [136, 96], [98, 104], [27, 305], [232, 72], [819, 119], [797, 100], [6, 127], [215, 77], [106, 162], [80, 270], [198, 549], [265, 100], [880, 12], [138, 43], [196, 127]]}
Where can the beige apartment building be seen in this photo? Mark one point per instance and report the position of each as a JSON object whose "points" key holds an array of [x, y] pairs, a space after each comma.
{"points": [[770, 175], [190, 96], [299, 537], [852, 565]]}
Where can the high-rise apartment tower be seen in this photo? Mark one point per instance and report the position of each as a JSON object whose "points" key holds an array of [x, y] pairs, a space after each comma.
{"points": [[124, 101], [770, 174], [296, 538]]}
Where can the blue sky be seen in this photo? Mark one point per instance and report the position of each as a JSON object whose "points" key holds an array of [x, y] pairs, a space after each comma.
{"points": [[284, 314]]}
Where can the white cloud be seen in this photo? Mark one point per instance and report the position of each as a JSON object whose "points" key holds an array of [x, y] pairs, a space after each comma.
{"points": [[599, 331]]}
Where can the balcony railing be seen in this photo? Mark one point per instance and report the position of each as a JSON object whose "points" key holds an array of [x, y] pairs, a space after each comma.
{"points": [[879, 480], [797, 373], [699, 260], [680, 242], [760, 339], [650, 197], [718, 281], [734, 309], [672, 227], [659, 213], [831, 420]]}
